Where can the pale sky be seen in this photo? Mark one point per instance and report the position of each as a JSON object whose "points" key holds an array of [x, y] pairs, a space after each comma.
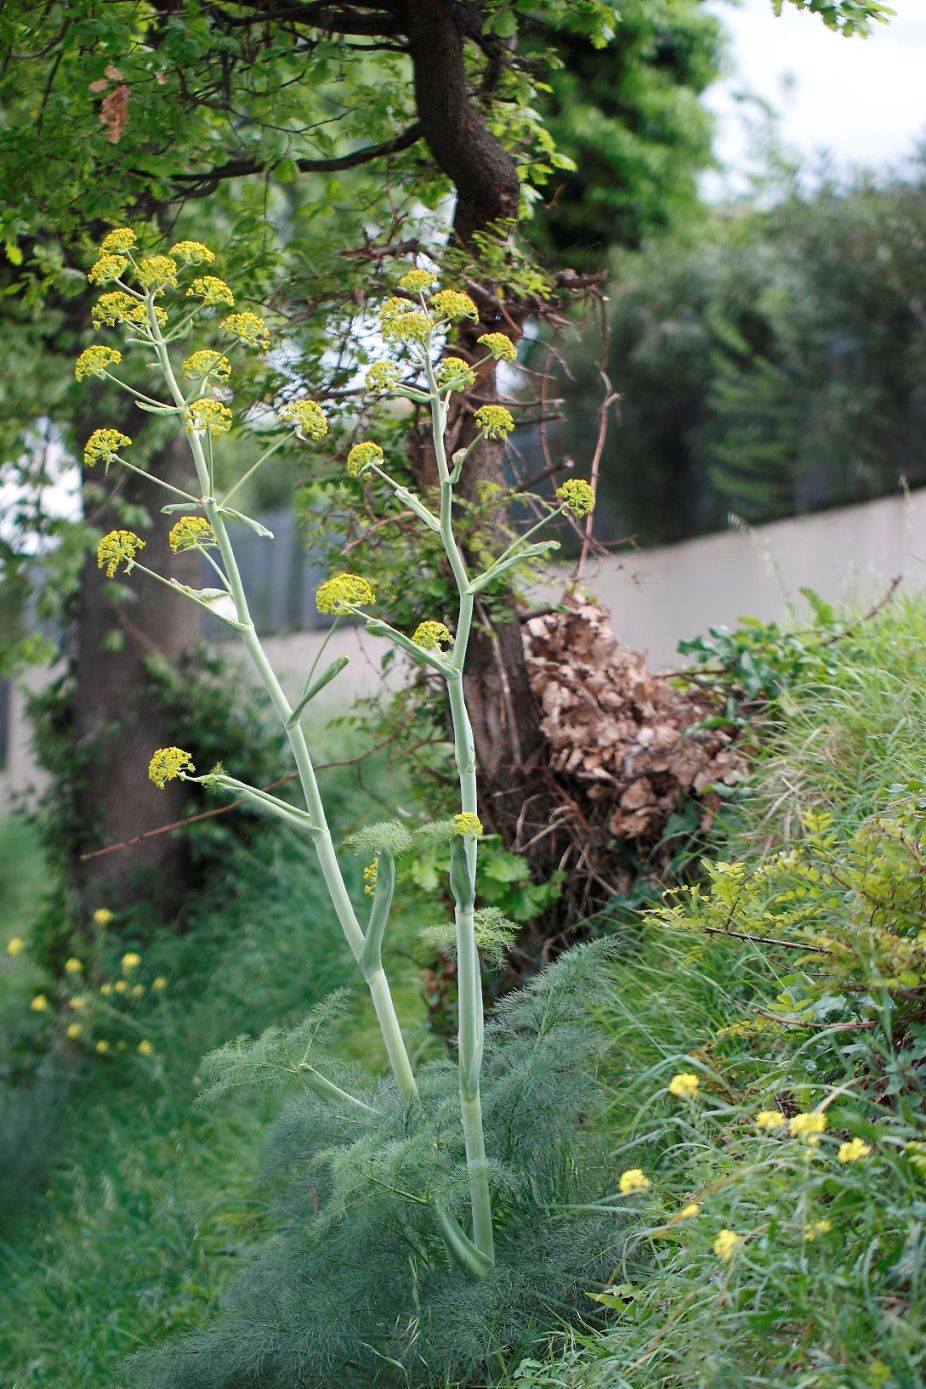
{"points": [[864, 100]]}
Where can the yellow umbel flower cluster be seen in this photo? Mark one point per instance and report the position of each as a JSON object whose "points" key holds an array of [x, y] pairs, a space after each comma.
{"points": [[417, 281], [370, 875], [166, 765], [212, 291], [343, 592], [431, 636], [402, 323], [157, 273], [852, 1151], [769, 1119], [106, 268], [684, 1085], [726, 1245], [247, 327], [189, 533], [363, 456], [577, 496], [807, 1125], [819, 1227], [501, 348], [119, 241], [450, 303], [209, 416], [467, 823], [634, 1179], [15, 946], [307, 418], [382, 377], [454, 374], [118, 547], [205, 363], [94, 360], [192, 253], [104, 445], [495, 421], [116, 307]]}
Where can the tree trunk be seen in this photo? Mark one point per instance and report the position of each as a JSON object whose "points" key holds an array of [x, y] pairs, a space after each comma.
{"points": [[117, 719]]}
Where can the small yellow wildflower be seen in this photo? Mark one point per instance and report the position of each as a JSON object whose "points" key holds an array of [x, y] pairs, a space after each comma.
{"points": [[118, 241], [684, 1085], [454, 374], [94, 360], [116, 307], [120, 986], [853, 1150], [576, 494], [102, 1046], [130, 960], [159, 983], [431, 636], [192, 253], [634, 1179], [166, 764], [468, 823], [116, 547], [74, 1030], [450, 303], [307, 418], [104, 445], [688, 1211], [726, 1244], [495, 421], [144, 1047], [157, 273], [343, 592], [39, 1004], [363, 456], [15, 946], [382, 377], [501, 347], [819, 1227], [73, 965], [102, 916], [248, 328], [138, 990], [78, 1003], [106, 268], [370, 875], [212, 291], [399, 321], [205, 363], [209, 416], [417, 281], [106, 989], [190, 532], [807, 1125], [769, 1119]]}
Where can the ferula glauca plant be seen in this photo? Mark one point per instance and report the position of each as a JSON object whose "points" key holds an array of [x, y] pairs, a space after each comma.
{"points": [[394, 1261]]}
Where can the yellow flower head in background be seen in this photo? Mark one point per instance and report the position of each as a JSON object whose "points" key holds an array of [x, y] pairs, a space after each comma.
{"points": [[343, 592], [166, 764], [495, 421], [807, 1125], [450, 303], [106, 989], [104, 445], [726, 1245], [307, 418], [852, 1151], [39, 1004], [247, 328], [688, 1211], [74, 1030], [102, 916], [192, 253], [105, 269], [576, 494], [121, 986], [94, 360], [116, 548], [468, 823], [102, 1046], [157, 273], [769, 1119], [382, 377], [145, 1048], [130, 960], [159, 983], [118, 241], [431, 636], [363, 456], [14, 946], [819, 1227], [73, 965], [213, 292], [205, 363], [138, 990], [684, 1085], [209, 416], [454, 374], [190, 532], [634, 1179], [370, 875], [417, 281], [500, 346], [78, 1003]]}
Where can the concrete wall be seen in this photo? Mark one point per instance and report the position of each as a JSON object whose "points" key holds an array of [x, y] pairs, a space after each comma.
{"points": [[656, 597]]}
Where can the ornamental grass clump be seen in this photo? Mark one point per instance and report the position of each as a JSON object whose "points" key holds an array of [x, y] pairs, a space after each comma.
{"points": [[412, 1247]]}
